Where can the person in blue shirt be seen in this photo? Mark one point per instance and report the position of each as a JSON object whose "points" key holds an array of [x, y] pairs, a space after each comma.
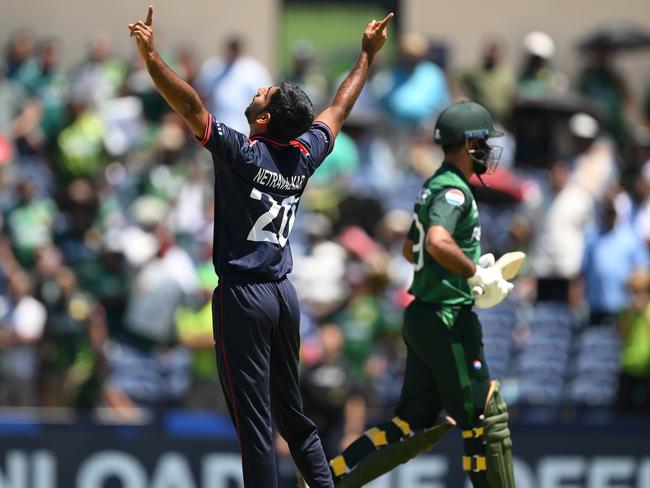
{"points": [[260, 178], [417, 88], [611, 255]]}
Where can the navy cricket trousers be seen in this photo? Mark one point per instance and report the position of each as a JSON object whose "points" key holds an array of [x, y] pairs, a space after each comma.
{"points": [[257, 340]]}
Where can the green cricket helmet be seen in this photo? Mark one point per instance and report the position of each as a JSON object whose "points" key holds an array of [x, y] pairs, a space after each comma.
{"points": [[465, 121]]}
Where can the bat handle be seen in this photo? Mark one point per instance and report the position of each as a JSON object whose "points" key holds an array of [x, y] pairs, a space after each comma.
{"points": [[477, 290]]}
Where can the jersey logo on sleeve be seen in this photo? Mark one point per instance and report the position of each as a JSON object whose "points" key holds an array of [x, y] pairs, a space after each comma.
{"points": [[455, 197], [424, 194]]}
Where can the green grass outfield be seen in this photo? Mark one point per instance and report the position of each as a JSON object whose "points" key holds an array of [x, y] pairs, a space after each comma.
{"points": [[334, 30]]}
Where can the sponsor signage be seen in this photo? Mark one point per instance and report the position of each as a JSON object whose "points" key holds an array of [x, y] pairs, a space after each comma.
{"points": [[546, 457]]}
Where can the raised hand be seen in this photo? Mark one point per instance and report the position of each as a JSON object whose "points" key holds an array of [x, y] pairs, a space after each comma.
{"points": [[143, 33], [375, 35]]}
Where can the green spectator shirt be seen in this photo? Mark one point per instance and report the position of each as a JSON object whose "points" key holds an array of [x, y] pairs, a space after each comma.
{"points": [[445, 200]]}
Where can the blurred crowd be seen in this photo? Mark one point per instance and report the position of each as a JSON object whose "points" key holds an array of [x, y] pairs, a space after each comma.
{"points": [[106, 225]]}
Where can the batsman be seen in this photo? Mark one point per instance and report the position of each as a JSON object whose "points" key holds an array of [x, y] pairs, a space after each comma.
{"points": [[445, 363]]}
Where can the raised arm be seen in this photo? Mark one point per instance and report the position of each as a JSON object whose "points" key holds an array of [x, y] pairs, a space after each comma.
{"points": [[177, 92], [373, 39]]}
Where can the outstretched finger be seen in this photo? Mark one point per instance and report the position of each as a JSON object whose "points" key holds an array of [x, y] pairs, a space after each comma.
{"points": [[149, 15], [386, 21]]}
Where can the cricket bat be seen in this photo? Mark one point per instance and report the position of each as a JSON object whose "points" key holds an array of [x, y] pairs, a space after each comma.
{"points": [[509, 264]]}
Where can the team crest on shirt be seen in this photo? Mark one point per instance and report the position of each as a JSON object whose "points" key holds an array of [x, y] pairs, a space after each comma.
{"points": [[455, 197]]}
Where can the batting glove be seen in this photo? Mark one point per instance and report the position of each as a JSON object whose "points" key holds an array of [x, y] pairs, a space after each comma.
{"points": [[493, 294], [486, 260], [484, 276]]}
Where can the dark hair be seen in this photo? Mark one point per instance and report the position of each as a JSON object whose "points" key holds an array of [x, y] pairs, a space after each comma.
{"points": [[291, 112]]}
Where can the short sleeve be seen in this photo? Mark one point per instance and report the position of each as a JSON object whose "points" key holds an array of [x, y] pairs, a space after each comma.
{"points": [[446, 208], [319, 142], [222, 141]]}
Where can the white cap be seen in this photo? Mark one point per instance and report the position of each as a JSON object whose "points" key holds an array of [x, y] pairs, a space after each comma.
{"points": [[583, 125], [137, 245], [540, 44], [149, 210]]}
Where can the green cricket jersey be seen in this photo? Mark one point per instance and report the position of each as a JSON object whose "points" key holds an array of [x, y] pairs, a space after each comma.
{"points": [[446, 200]]}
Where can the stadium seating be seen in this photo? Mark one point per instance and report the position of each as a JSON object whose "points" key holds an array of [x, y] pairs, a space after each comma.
{"points": [[595, 366], [553, 364]]}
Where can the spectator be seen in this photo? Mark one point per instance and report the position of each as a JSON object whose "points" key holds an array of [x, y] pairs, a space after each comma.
{"points": [[230, 83], [44, 79], [30, 222], [139, 84], [593, 164], [187, 217], [20, 50], [21, 328], [108, 279], [19, 114], [633, 203], [558, 226], [342, 163], [600, 82], [366, 318], [38, 72], [539, 77], [634, 328], [146, 365], [361, 321], [376, 173], [74, 335], [35, 129], [80, 144], [326, 388], [164, 282], [186, 64], [319, 277], [306, 74], [492, 82], [78, 210], [194, 331], [611, 255], [100, 76], [415, 89]]}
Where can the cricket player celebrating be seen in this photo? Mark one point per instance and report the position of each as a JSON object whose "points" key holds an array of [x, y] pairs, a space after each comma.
{"points": [[445, 364], [260, 178]]}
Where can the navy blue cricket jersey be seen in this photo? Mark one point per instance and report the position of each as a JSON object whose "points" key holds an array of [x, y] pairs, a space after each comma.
{"points": [[258, 185]]}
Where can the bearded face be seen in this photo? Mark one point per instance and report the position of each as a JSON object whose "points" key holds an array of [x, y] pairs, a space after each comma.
{"points": [[251, 112]]}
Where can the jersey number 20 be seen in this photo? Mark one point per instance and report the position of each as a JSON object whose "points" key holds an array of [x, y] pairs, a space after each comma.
{"points": [[288, 209]]}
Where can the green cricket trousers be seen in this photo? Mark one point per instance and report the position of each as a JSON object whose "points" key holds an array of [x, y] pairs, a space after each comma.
{"points": [[445, 370]]}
